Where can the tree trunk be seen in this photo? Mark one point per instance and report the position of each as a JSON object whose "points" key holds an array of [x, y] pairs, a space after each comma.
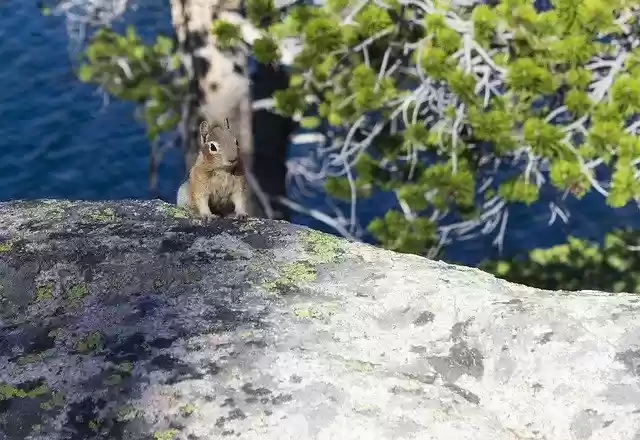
{"points": [[272, 133]]}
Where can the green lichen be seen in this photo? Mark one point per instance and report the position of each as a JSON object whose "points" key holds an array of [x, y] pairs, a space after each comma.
{"points": [[175, 211], [34, 358], [246, 334], [297, 272], [52, 209], [6, 246], [76, 293], [125, 413], [118, 373], [322, 247], [94, 341], [125, 367], [269, 285], [47, 212], [57, 401], [44, 293], [105, 215], [308, 313], [292, 274], [8, 392], [114, 379], [94, 425], [188, 409], [358, 365], [303, 313], [60, 204], [168, 434], [323, 312]]}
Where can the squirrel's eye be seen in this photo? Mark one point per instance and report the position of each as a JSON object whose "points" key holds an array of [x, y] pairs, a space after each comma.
{"points": [[213, 146]]}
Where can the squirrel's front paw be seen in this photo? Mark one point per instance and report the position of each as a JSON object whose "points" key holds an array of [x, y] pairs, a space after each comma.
{"points": [[241, 215], [209, 217]]}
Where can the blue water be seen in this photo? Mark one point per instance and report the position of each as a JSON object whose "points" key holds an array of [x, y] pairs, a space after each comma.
{"points": [[59, 139]]}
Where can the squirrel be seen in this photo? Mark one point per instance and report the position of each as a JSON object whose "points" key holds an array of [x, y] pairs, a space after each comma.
{"points": [[217, 178]]}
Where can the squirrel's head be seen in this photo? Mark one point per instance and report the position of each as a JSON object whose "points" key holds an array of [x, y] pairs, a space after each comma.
{"points": [[219, 145]]}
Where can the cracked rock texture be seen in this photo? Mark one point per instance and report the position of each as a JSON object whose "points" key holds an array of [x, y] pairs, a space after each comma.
{"points": [[131, 320]]}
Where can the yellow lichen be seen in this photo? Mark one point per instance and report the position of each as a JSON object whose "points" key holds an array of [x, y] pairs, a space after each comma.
{"points": [[322, 247], [51, 209], [56, 401], [94, 425], [6, 246], [292, 274], [125, 367], [297, 272], [8, 392], [359, 365], [168, 434], [188, 409], [112, 380], [321, 312], [125, 413], [76, 293], [91, 342], [269, 285], [175, 211], [33, 358], [45, 292], [105, 215]]}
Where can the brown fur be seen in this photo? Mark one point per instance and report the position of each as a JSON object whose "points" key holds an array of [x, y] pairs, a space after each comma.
{"points": [[217, 179]]}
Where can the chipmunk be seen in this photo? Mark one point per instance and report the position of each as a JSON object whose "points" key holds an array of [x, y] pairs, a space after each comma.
{"points": [[217, 178]]}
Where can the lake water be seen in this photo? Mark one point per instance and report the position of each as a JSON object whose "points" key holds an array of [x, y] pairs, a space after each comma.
{"points": [[59, 139]]}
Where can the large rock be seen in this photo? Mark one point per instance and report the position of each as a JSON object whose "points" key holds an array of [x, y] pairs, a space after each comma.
{"points": [[130, 320]]}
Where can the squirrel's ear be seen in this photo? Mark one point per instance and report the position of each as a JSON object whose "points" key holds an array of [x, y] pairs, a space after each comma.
{"points": [[204, 130]]}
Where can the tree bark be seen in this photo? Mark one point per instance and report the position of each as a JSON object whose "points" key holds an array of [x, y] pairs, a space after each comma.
{"points": [[275, 131]]}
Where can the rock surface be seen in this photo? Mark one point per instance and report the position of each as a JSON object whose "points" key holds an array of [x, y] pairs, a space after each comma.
{"points": [[130, 320]]}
